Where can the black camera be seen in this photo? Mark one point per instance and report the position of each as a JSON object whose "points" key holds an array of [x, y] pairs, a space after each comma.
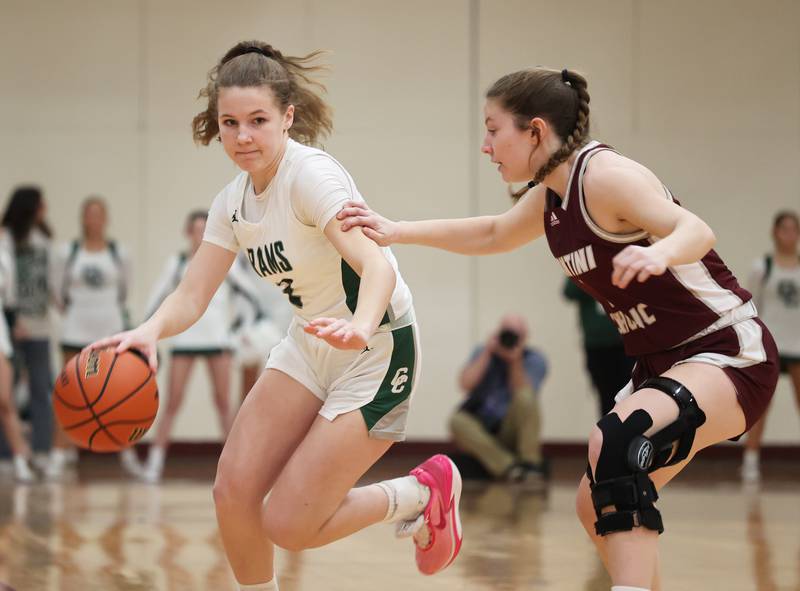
{"points": [[508, 338]]}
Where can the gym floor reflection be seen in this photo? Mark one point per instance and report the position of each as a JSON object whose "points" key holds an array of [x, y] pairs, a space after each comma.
{"points": [[100, 531]]}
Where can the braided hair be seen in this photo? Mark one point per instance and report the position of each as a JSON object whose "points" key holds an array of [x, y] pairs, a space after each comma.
{"points": [[561, 98]]}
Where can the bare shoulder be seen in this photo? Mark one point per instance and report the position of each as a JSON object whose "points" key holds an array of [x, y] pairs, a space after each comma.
{"points": [[610, 174]]}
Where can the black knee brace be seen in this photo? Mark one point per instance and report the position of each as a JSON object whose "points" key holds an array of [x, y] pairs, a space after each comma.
{"points": [[629, 493], [673, 443], [621, 478]]}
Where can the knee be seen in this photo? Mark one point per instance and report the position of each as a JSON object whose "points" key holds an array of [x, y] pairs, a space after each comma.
{"points": [[284, 528], [231, 493], [225, 495], [527, 403], [463, 428], [457, 422]]}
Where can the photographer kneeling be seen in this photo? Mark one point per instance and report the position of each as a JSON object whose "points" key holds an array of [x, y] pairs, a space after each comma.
{"points": [[499, 422]]}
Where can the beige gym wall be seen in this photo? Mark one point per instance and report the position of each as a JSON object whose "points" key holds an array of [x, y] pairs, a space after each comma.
{"points": [[97, 97]]}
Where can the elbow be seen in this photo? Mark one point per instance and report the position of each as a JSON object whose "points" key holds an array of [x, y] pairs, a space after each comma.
{"points": [[705, 238], [379, 266], [190, 300], [466, 382], [492, 243], [462, 383], [710, 237]]}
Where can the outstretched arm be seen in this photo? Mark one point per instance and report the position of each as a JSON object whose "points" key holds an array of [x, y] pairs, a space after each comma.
{"points": [[489, 234], [183, 307]]}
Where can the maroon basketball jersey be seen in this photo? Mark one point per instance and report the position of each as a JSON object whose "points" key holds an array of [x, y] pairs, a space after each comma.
{"points": [[660, 313]]}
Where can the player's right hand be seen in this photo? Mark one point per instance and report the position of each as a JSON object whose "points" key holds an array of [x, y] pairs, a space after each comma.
{"points": [[142, 338], [383, 231]]}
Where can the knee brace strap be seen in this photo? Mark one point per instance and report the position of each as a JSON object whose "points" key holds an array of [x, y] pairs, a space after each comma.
{"points": [[650, 453], [615, 484], [633, 497]]}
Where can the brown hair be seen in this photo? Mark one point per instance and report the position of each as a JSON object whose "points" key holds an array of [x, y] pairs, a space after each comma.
{"points": [[195, 215], [560, 98], [21, 213], [255, 63]]}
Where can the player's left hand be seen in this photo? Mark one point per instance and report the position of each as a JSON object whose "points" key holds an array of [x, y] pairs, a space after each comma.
{"points": [[337, 332], [637, 262]]}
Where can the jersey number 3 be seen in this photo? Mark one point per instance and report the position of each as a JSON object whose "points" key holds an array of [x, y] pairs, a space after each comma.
{"points": [[295, 300]]}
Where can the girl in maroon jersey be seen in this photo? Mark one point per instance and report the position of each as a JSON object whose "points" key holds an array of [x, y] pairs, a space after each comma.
{"points": [[622, 237]]}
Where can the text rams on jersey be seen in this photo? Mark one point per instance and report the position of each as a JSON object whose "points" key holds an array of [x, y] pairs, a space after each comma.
{"points": [[270, 260]]}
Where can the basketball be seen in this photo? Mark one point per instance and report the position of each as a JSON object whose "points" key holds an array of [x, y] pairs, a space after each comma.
{"points": [[106, 401]]}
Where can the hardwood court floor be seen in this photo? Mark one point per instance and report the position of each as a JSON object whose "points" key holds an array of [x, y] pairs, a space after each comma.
{"points": [[101, 532]]}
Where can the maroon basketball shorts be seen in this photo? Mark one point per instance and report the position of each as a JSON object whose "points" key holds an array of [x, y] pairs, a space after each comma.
{"points": [[745, 351]]}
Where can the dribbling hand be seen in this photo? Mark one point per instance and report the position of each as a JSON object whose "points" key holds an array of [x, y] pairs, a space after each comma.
{"points": [[338, 333], [637, 262], [382, 231], [141, 338]]}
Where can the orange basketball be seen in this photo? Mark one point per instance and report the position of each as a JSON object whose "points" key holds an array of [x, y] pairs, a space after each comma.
{"points": [[106, 401]]}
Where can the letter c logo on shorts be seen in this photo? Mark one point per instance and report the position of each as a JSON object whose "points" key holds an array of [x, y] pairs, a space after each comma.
{"points": [[399, 380]]}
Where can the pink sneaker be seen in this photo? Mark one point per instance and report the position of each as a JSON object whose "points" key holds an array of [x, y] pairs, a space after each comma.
{"points": [[439, 540]]}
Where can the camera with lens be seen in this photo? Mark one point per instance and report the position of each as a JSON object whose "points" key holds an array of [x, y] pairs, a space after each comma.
{"points": [[508, 338]]}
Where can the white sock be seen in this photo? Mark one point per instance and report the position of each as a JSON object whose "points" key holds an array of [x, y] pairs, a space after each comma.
{"points": [[155, 459], [751, 458], [270, 586], [624, 588], [58, 457], [21, 468], [407, 498]]}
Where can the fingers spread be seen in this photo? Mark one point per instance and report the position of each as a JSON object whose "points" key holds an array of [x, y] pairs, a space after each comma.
{"points": [[351, 211], [372, 234], [331, 328], [627, 275]]}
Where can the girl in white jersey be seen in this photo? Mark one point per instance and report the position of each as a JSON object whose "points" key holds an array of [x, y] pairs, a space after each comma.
{"points": [[90, 278], [775, 283], [620, 236], [335, 394]]}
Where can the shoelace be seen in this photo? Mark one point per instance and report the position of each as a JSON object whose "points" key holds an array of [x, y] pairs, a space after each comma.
{"points": [[416, 529]]}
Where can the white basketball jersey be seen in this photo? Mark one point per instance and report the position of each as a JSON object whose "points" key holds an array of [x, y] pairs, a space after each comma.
{"points": [[282, 235]]}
